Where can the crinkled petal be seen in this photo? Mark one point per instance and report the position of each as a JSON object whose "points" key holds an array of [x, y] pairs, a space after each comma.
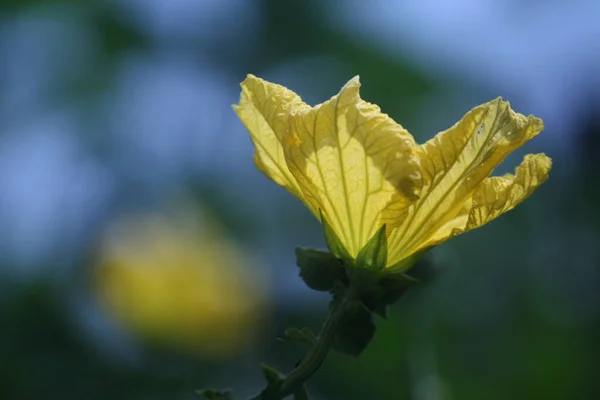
{"points": [[500, 194], [264, 109], [351, 161], [453, 165], [497, 195]]}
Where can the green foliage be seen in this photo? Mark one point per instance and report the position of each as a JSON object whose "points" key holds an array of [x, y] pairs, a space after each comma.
{"points": [[364, 282], [320, 270], [386, 292]]}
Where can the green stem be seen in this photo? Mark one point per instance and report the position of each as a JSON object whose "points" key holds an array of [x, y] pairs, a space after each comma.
{"points": [[313, 359], [316, 355]]}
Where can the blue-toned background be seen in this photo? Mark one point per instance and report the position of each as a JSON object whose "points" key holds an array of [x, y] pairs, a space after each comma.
{"points": [[142, 255]]}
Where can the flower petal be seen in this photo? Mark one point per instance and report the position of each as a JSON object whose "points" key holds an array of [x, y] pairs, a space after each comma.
{"points": [[351, 161], [500, 194], [497, 195], [453, 165], [264, 109]]}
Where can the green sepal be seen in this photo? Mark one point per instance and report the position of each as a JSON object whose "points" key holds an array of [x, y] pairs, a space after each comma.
{"points": [[299, 335], [320, 270], [387, 291], [374, 254], [356, 329], [334, 244], [212, 394]]}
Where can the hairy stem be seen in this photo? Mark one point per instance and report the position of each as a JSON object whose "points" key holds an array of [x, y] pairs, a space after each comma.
{"points": [[316, 355], [313, 359]]}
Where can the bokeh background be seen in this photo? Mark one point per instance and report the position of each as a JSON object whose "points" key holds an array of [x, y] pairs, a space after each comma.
{"points": [[142, 256]]}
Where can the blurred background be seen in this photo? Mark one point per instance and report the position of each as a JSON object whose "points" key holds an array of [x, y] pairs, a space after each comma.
{"points": [[142, 256]]}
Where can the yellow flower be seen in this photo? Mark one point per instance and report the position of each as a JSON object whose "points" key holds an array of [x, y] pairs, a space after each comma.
{"points": [[163, 278], [359, 169]]}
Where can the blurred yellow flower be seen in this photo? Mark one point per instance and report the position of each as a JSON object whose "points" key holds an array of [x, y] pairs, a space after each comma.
{"points": [[358, 168], [167, 280]]}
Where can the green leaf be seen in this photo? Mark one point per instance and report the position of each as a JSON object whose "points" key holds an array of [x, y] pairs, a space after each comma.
{"points": [[334, 243], [320, 270], [356, 329], [374, 254], [386, 292]]}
